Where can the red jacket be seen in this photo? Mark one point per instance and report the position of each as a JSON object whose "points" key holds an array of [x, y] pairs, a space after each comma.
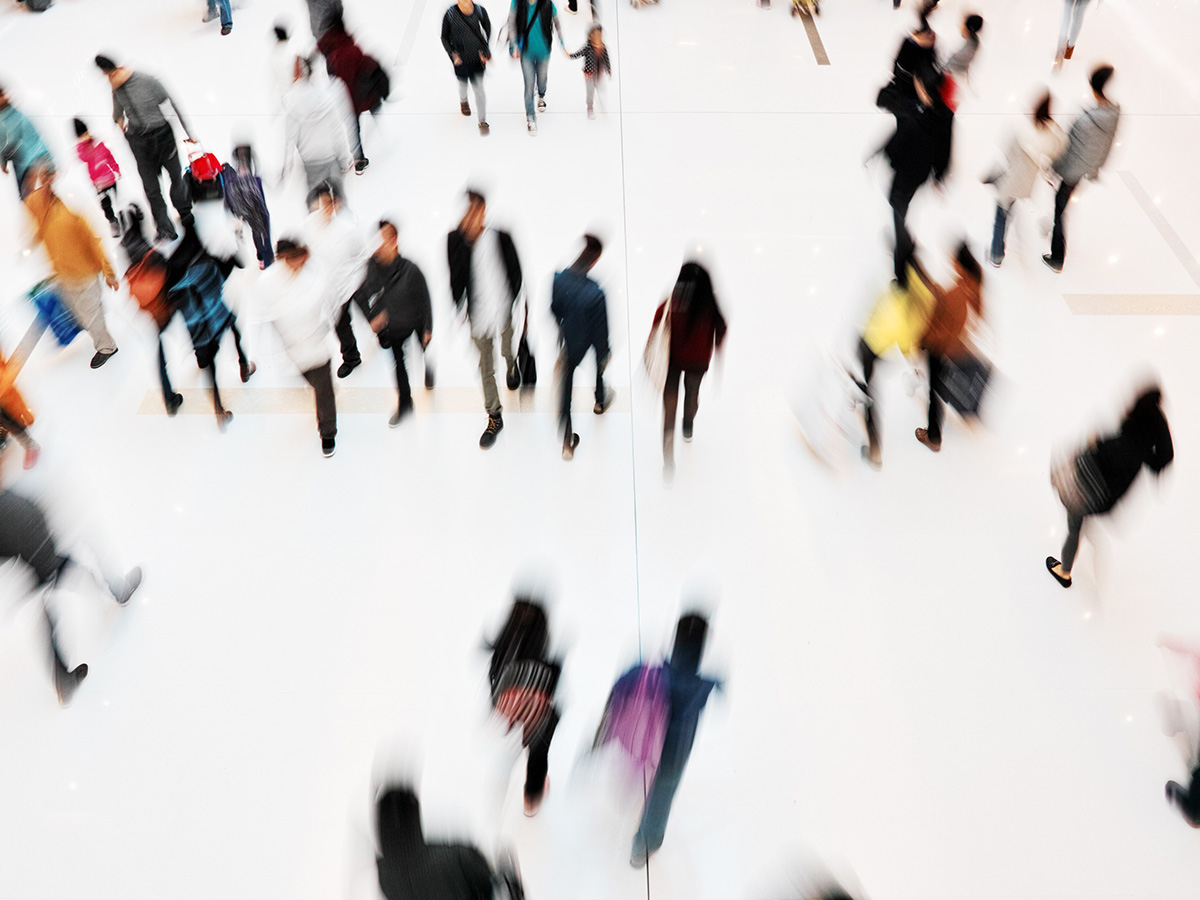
{"points": [[345, 60], [693, 337]]}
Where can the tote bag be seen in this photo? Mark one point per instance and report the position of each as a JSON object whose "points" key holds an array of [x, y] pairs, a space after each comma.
{"points": [[657, 356]]}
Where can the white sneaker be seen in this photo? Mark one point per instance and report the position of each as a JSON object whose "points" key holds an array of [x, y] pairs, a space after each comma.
{"points": [[531, 127], [541, 104], [591, 113]]}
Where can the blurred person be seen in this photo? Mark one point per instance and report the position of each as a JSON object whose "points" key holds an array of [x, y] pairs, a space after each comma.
{"points": [[364, 79], [316, 127], [1185, 799], [523, 680], [595, 64], [529, 37], [1032, 151], [943, 340], [321, 14], [332, 235], [959, 62], [689, 692], [581, 311], [282, 61], [15, 415], [696, 328], [396, 297], [77, 258], [1088, 145], [466, 33], [411, 868], [223, 8], [900, 317], [295, 299], [1068, 33], [103, 171], [246, 200], [1093, 480], [486, 281], [25, 535], [193, 283], [20, 144], [914, 71], [138, 100]]}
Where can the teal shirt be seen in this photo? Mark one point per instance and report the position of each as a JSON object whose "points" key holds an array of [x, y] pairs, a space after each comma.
{"points": [[536, 45], [20, 143]]}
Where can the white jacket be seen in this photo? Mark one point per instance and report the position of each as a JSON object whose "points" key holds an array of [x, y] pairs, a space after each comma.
{"points": [[341, 249], [1031, 152], [297, 305], [316, 122]]}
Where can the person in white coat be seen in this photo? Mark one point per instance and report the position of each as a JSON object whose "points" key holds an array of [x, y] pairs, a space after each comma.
{"points": [[294, 298], [1035, 145], [338, 245], [315, 117], [282, 63]]}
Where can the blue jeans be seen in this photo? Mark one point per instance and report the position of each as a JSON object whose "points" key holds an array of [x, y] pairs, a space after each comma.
{"points": [[1002, 214], [534, 68], [649, 837], [1072, 22], [226, 11]]}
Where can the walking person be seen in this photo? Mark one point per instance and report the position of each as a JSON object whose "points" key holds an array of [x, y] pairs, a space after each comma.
{"points": [[943, 341], [332, 235], [294, 298], [102, 170], [138, 100], [689, 692], [523, 679], [315, 123], [20, 144], [595, 64], [25, 535], [466, 34], [1032, 151], [246, 200], [224, 10], [529, 28], [485, 280], [697, 327], [15, 415], [1088, 145], [1068, 33], [396, 296], [581, 310], [321, 15], [78, 260], [365, 81], [1092, 481]]}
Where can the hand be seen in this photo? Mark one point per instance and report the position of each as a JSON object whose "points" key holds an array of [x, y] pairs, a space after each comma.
{"points": [[515, 53], [425, 339], [484, 58], [112, 283], [379, 322], [456, 59]]}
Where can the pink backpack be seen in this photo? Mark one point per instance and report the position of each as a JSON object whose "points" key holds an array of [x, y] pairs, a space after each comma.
{"points": [[637, 714]]}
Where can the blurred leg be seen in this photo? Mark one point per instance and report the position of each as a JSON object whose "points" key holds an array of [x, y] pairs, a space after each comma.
{"points": [[1071, 544]]}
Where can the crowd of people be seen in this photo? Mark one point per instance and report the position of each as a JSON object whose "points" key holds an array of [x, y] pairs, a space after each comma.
{"points": [[317, 276]]}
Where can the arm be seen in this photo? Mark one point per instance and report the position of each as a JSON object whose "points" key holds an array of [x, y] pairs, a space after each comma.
{"points": [[558, 27], [512, 264], [487, 24], [512, 29], [459, 262], [426, 306], [1163, 451], [118, 110], [368, 292], [446, 32], [720, 330], [108, 157], [605, 62], [175, 107], [88, 239]]}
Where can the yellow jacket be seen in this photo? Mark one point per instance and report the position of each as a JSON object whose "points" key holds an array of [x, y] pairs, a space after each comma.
{"points": [[900, 317], [74, 250], [11, 400]]}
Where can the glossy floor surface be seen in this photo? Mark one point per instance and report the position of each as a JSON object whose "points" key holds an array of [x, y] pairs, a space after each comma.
{"points": [[909, 697]]}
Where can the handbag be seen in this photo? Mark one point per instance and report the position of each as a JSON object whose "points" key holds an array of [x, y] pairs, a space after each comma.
{"points": [[526, 364], [656, 358], [53, 313], [963, 383]]}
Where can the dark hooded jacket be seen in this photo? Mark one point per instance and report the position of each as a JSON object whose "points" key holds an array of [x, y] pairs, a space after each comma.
{"points": [[411, 869]]}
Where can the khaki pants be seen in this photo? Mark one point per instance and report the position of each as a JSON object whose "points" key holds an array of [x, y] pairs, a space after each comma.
{"points": [[82, 298], [487, 364]]}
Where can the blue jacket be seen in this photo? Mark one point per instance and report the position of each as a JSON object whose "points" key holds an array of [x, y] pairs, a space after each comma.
{"points": [[579, 307], [19, 142]]}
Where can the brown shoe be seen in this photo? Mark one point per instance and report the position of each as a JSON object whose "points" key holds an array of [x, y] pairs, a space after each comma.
{"points": [[485, 129], [1067, 53], [465, 108], [923, 437]]}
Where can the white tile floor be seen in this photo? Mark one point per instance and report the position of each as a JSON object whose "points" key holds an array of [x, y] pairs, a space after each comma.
{"points": [[909, 696]]}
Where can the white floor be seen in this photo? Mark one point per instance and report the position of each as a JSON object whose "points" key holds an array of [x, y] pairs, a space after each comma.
{"points": [[909, 697]]}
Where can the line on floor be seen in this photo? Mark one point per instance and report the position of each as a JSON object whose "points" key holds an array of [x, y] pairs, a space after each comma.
{"points": [[1133, 304], [814, 40], [372, 401], [1169, 234], [410, 34]]}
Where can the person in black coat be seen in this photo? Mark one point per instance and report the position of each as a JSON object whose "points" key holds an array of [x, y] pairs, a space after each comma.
{"points": [[466, 32], [399, 308], [485, 280], [1093, 481]]}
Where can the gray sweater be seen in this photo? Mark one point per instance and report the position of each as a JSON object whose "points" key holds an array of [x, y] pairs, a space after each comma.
{"points": [[1090, 142], [139, 102]]}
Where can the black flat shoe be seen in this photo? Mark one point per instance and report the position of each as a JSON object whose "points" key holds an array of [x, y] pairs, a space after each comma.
{"points": [[1051, 562]]}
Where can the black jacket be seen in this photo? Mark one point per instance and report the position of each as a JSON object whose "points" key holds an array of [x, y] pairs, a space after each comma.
{"points": [[411, 869], [1144, 440], [458, 251], [921, 144], [468, 36], [399, 289]]}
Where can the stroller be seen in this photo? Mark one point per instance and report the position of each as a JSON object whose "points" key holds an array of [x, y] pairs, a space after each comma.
{"points": [[189, 282]]}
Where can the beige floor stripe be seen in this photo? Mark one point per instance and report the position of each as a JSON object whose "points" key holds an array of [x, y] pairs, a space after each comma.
{"points": [[1133, 304]]}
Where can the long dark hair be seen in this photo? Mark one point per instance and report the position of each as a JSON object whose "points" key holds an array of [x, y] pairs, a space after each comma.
{"points": [[525, 635], [690, 635], [693, 297], [397, 821]]}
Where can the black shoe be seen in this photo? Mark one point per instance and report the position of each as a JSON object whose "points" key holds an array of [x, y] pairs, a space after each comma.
{"points": [[602, 406], [101, 358], [225, 29], [347, 367], [361, 166], [513, 377], [494, 426], [132, 581], [116, 228], [687, 432], [569, 447], [224, 417], [248, 370], [1051, 562], [1175, 796], [174, 403], [428, 377], [327, 447], [67, 683], [166, 234], [399, 415], [1055, 265]]}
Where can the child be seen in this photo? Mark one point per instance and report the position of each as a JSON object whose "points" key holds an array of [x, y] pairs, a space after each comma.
{"points": [[102, 169], [244, 198], [957, 66], [15, 416], [595, 59]]}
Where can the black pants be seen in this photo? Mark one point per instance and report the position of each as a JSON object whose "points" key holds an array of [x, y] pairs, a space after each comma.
{"points": [[570, 364], [1071, 544], [904, 188], [691, 398], [1058, 239], [345, 331], [539, 759], [106, 202], [937, 411], [359, 156], [156, 151], [396, 341], [164, 378], [867, 357], [321, 379]]}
